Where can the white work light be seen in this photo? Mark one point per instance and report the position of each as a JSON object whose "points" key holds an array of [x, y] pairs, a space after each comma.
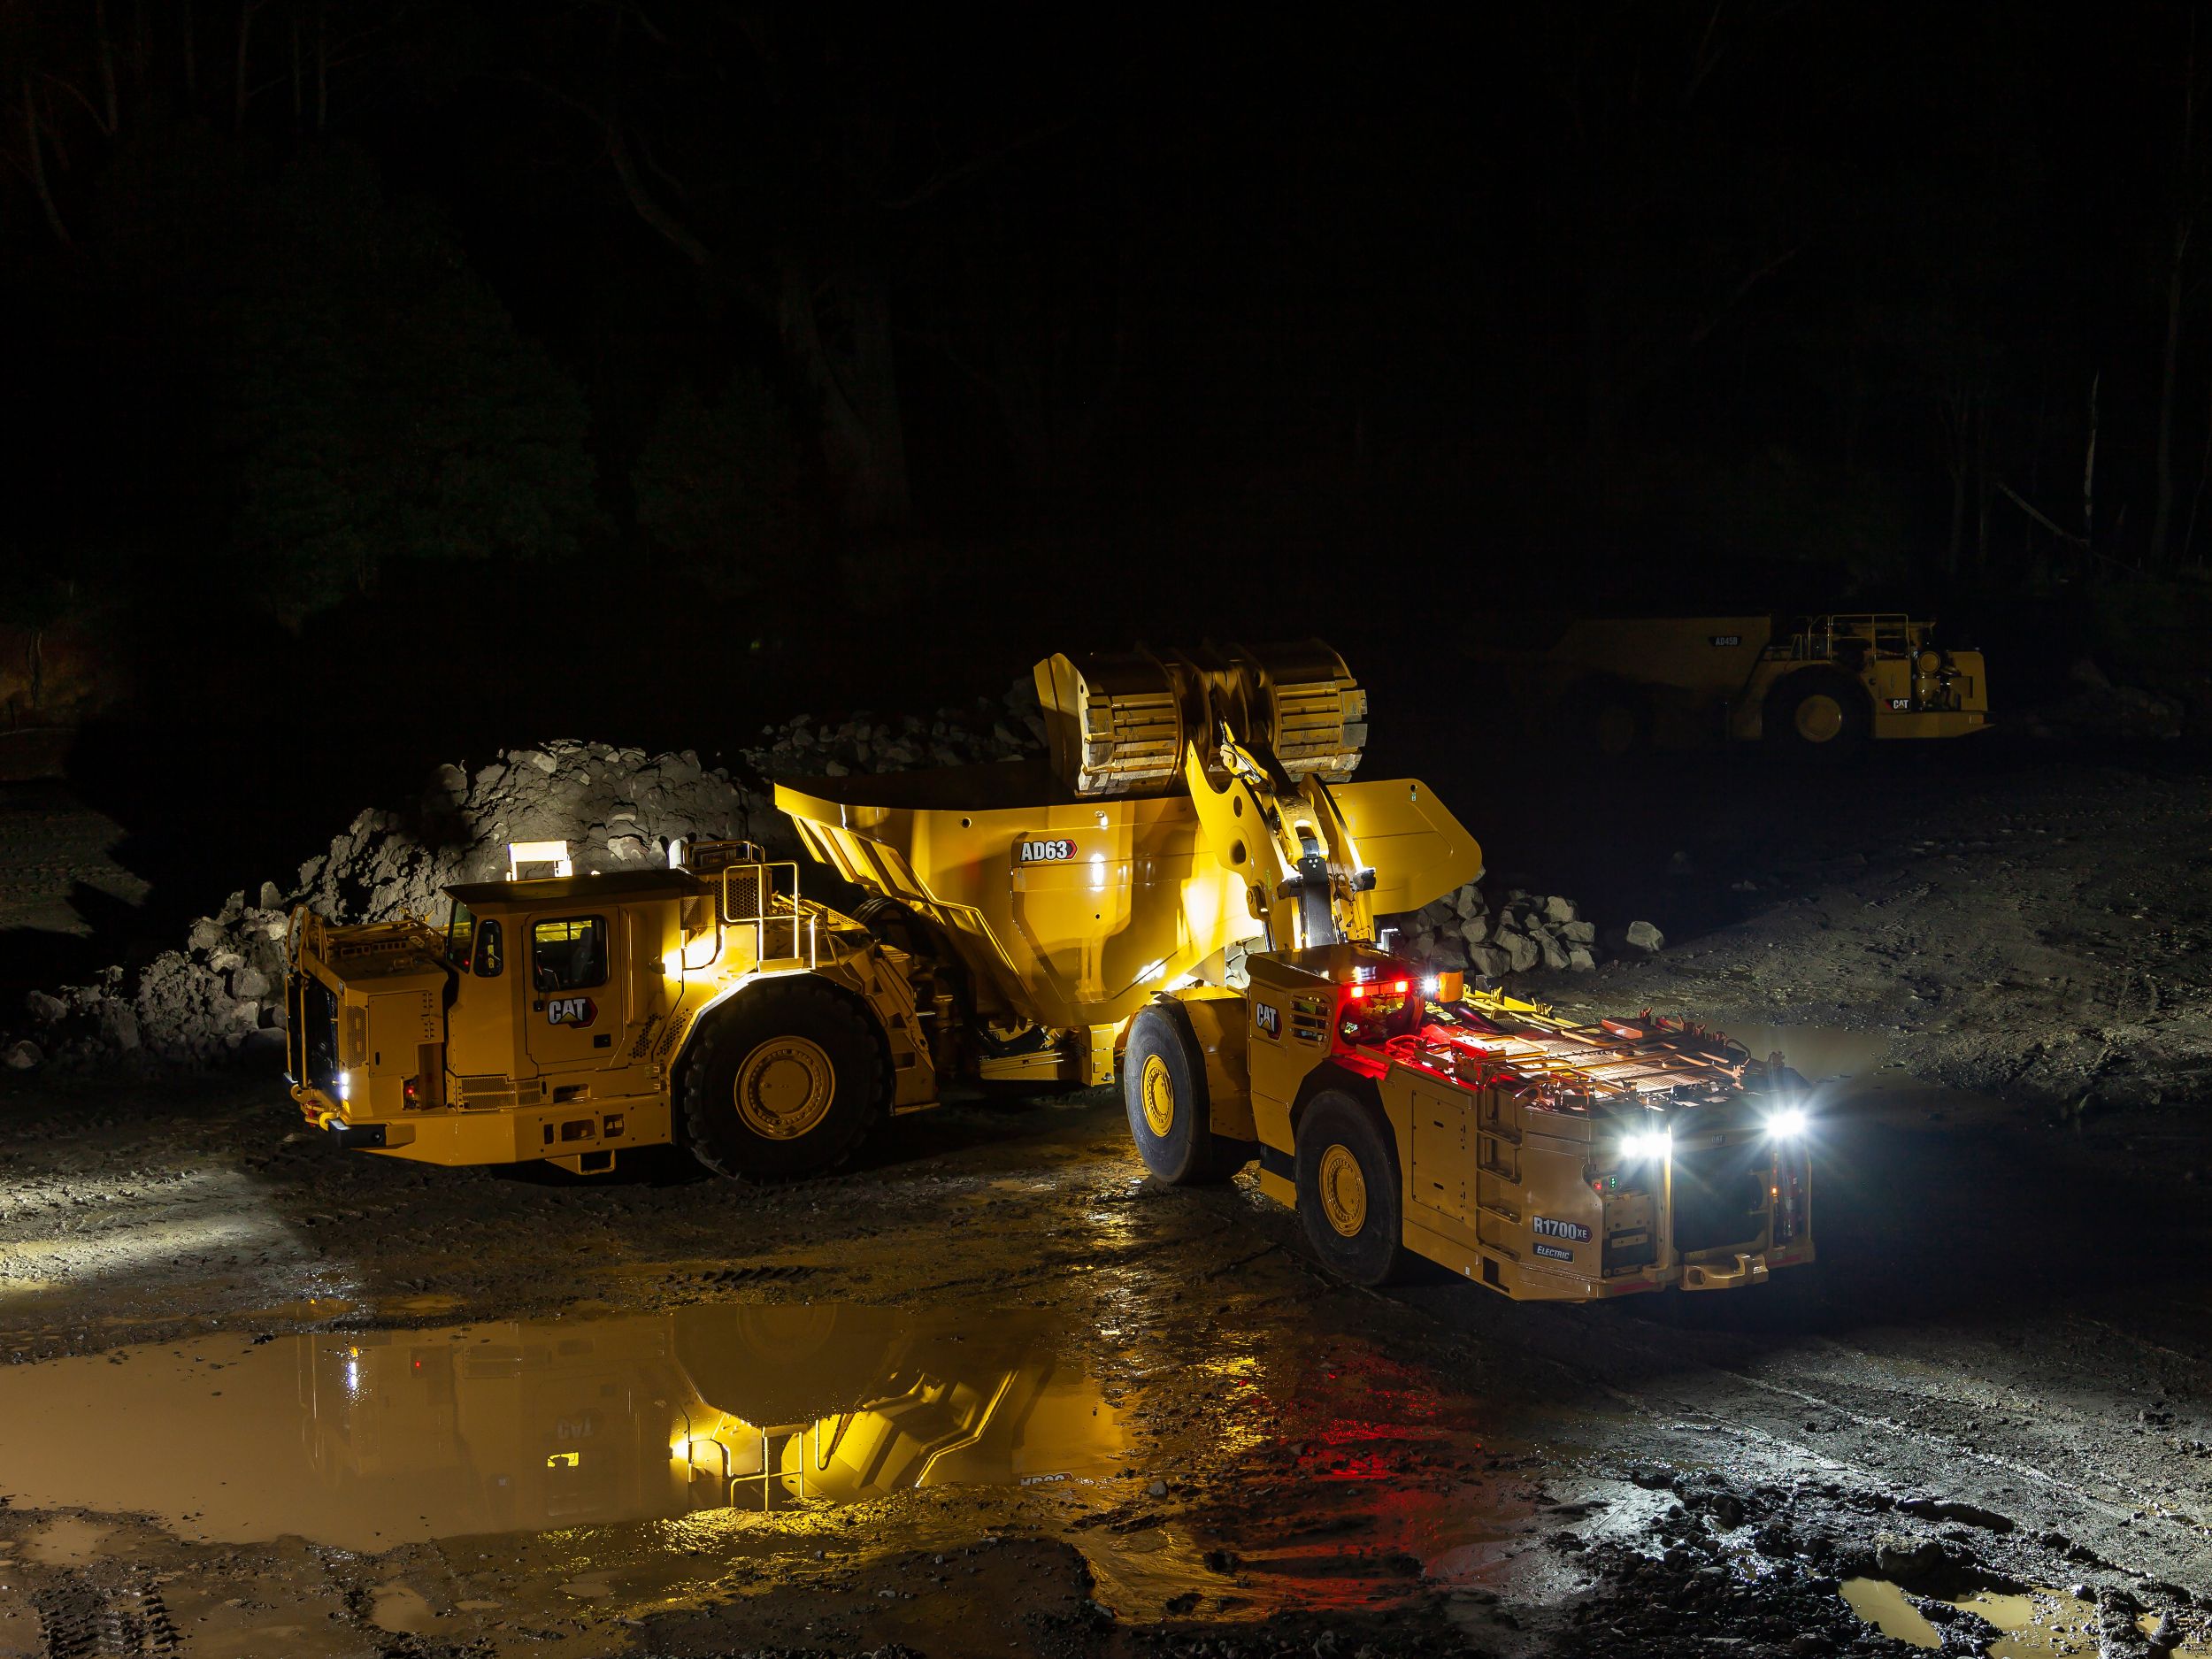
{"points": [[1647, 1143], [1787, 1124]]}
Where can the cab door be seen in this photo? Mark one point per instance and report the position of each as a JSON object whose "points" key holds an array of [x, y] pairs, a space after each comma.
{"points": [[574, 1011]]}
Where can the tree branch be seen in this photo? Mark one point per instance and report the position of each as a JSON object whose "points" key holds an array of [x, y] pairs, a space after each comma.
{"points": [[77, 93], [678, 234], [671, 229], [944, 179], [1719, 314], [2021, 502]]}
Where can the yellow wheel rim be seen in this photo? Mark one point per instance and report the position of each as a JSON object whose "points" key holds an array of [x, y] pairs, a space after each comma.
{"points": [[1158, 1086], [784, 1088], [1819, 718], [1343, 1192]]}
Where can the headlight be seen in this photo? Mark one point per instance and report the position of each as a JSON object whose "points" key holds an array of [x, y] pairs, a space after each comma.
{"points": [[1787, 1124], [345, 1086], [1647, 1143]]}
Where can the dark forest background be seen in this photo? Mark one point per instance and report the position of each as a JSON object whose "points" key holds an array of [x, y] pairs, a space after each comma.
{"points": [[493, 368]]}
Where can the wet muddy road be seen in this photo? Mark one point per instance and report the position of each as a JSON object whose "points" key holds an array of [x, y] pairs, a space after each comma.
{"points": [[993, 1391]]}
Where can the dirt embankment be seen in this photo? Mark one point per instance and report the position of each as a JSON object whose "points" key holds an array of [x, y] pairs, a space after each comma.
{"points": [[2042, 933]]}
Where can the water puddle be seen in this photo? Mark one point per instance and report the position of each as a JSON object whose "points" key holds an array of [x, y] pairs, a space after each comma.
{"points": [[366, 1440], [401, 1608], [69, 1541], [2040, 1624]]}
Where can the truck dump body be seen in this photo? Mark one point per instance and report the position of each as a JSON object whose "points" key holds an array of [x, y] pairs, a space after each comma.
{"points": [[1075, 909]]}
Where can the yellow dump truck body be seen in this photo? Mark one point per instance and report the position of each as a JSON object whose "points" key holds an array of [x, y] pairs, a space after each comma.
{"points": [[1074, 909]]}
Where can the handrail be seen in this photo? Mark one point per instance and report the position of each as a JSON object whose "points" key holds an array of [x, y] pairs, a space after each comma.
{"points": [[767, 908]]}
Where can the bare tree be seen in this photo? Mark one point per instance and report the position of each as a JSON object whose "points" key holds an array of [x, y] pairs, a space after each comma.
{"points": [[2188, 200]]}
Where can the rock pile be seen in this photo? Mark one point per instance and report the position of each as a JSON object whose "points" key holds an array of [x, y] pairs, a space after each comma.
{"points": [[1519, 933], [618, 808], [1010, 729]]}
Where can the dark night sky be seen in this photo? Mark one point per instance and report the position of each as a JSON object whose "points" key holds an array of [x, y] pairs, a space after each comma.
{"points": [[1251, 324]]}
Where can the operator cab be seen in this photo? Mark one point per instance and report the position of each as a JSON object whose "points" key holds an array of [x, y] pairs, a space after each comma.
{"points": [[550, 973]]}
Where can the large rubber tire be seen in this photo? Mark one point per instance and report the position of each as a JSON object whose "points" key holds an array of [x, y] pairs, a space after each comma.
{"points": [[1817, 712], [787, 1078], [1608, 720], [1164, 1089], [1348, 1191]]}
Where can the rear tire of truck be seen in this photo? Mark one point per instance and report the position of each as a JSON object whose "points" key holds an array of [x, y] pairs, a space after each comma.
{"points": [[1347, 1176], [1817, 713], [1606, 718], [1164, 1089], [787, 1078]]}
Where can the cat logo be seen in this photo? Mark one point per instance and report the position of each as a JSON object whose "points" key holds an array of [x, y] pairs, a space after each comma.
{"points": [[570, 1010], [1046, 852], [1268, 1017]]}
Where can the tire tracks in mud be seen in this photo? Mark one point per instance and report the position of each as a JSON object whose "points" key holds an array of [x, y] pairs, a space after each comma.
{"points": [[1707, 1387], [80, 1619]]}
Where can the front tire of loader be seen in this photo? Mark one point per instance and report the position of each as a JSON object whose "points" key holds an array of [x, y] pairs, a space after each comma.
{"points": [[1817, 713], [787, 1078], [1348, 1204], [1164, 1089]]}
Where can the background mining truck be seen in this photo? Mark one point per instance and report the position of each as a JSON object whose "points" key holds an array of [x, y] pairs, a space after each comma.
{"points": [[1018, 916], [1824, 686]]}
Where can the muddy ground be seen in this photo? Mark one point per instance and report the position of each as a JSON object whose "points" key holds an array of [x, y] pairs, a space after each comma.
{"points": [[267, 1399]]}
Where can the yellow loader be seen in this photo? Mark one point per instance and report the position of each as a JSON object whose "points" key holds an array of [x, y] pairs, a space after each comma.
{"points": [[1058, 926]]}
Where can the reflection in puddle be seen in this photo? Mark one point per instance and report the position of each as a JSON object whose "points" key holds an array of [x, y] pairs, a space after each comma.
{"points": [[363, 1440], [2040, 1624]]}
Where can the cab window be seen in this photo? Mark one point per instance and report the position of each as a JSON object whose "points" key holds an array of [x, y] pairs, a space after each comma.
{"points": [[459, 934], [569, 953], [490, 950]]}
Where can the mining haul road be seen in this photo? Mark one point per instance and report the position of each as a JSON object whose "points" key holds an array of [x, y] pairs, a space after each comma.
{"points": [[990, 1390]]}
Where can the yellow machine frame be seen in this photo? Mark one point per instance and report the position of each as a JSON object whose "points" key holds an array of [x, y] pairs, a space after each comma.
{"points": [[1512, 1134]]}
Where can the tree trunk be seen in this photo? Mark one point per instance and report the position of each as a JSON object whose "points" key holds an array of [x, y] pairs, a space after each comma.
{"points": [[1601, 378], [2089, 473], [2161, 518], [1982, 490], [836, 338], [246, 10], [1958, 515], [107, 63], [34, 146]]}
